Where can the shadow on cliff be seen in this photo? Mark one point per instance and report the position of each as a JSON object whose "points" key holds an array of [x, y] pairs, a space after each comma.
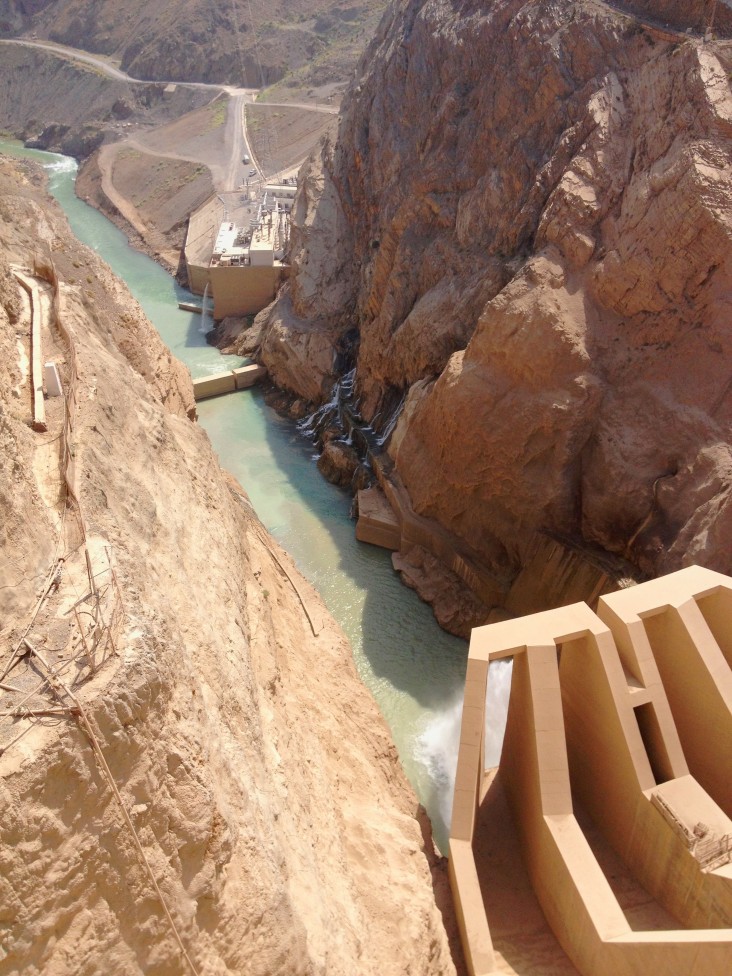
{"points": [[401, 641]]}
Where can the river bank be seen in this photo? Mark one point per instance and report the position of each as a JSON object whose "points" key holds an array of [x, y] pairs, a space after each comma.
{"points": [[193, 777], [414, 669]]}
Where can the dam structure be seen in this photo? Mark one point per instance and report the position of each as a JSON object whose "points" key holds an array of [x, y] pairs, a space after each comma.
{"points": [[235, 248], [612, 790]]}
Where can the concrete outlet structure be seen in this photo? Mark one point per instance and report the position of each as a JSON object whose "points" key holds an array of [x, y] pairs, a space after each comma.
{"points": [[217, 384], [235, 247], [377, 522], [615, 770]]}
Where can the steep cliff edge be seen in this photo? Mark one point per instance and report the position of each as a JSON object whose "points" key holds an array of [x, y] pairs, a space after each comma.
{"points": [[140, 593], [523, 238]]}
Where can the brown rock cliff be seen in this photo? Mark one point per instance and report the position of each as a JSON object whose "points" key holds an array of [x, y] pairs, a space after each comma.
{"points": [[538, 232]]}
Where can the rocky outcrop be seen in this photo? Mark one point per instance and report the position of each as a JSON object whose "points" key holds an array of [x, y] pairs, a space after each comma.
{"points": [[256, 772], [538, 231], [301, 354], [455, 610], [79, 143], [338, 463]]}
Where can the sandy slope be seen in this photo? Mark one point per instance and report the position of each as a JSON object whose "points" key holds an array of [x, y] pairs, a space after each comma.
{"points": [[255, 769]]}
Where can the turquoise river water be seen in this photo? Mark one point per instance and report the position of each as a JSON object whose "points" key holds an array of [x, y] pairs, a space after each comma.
{"points": [[414, 670]]}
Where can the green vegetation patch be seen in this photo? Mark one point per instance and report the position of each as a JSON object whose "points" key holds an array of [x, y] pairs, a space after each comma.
{"points": [[217, 113]]}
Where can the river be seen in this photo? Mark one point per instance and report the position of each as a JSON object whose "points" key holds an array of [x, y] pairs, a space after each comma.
{"points": [[414, 670]]}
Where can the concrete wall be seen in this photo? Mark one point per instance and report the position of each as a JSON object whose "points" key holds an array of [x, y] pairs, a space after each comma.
{"points": [[472, 921], [589, 723], [243, 290], [203, 225], [571, 888], [248, 376], [214, 385], [198, 278], [682, 626], [615, 770], [30, 286], [233, 379], [377, 522]]}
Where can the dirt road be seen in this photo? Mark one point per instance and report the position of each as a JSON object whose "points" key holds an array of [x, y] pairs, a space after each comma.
{"points": [[307, 106], [109, 69], [151, 176]]}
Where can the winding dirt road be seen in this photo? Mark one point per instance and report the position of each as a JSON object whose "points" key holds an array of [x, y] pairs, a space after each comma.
{"points": [[234, 135], [237, 144], [223, 151], [107, 68]]}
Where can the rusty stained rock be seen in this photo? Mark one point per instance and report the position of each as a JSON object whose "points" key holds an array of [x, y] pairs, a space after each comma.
{"points": [[527, 222]]}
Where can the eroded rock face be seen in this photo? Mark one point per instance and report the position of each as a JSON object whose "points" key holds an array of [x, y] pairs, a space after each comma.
{"points": [[300, 354], [257, 772], [456, 610], [538, 197], [338, 463], [61, 138]]}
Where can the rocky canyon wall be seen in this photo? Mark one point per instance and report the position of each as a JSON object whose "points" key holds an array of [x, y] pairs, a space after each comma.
{"points": [[522, 238], [255, 770]]}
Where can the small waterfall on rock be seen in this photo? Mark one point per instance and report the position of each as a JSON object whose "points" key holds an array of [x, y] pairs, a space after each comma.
{"points": [[331, 412], [391, 423], [203, 329], [342, 411]]}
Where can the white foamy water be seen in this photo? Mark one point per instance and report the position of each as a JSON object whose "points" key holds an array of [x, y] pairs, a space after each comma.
{"points": [[436, 748], [206, 324], [63, 164]]}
